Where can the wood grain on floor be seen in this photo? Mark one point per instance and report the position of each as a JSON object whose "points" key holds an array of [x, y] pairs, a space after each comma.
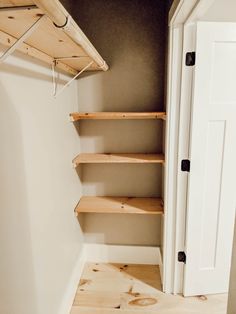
{"points": [[135, 289]]}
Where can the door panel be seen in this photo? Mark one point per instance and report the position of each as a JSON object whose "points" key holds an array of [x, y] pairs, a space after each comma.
{"points": [[212, 180]]}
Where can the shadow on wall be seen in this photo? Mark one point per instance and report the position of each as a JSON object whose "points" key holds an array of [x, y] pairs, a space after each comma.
{"points": [[15, 69], [129, 136], [122, 180], [16, 263], [132, 230], [127, 180], [131, 37]]}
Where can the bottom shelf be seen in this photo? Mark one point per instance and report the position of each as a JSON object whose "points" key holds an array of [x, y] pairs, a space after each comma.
{"points": [[120, 205]]}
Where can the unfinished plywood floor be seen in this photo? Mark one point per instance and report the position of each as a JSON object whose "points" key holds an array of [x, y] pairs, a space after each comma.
{"points": [[135, 289]]}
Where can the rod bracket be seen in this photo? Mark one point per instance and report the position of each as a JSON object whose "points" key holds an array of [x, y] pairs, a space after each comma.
{"points": [[65, 25]]}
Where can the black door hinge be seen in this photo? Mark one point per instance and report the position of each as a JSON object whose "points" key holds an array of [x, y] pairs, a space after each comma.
{"points": [[190, 58], [182, 257], [185, 165]]}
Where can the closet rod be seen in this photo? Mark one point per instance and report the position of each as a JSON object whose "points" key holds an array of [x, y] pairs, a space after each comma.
{"points": [[61, 19]]}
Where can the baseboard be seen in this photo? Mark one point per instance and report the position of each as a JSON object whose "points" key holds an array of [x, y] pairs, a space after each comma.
{"points": [[69, 296], [103, 253]]}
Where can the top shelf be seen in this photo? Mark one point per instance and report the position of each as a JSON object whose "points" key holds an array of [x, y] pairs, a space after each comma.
{"points": [[76, 116], [50, 41]]}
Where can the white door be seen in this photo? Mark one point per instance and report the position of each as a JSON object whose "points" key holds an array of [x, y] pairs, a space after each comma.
{"points": [[212, 180]]}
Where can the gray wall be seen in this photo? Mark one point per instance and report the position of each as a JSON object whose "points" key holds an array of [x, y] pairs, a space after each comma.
{"points": [[131, 37]]}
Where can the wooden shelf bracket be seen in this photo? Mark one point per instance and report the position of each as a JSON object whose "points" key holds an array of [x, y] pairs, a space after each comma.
{"points": [[21, 39], [54, 79]]}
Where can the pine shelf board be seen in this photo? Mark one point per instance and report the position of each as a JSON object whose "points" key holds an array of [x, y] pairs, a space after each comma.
{"points": [[48, 42], [89, 158], [76, 116], [10, 3], [120, 205]]}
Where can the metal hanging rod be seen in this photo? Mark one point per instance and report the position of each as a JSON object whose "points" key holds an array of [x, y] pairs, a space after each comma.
{"points": [[19, 8]]}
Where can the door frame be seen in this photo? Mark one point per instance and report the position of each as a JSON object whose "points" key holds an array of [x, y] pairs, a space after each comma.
{"points": [[183, 16]]}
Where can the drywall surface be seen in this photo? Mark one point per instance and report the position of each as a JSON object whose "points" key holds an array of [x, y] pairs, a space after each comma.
{"points": [[221, 11], [40, 239], [131, 36], [232, 287]]}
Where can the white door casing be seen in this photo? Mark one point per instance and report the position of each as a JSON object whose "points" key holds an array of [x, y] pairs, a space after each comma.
{"points": [[211, 199]]}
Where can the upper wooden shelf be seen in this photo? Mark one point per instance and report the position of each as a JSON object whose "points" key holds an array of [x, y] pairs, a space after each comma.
{"points": [[50, 40], [118, 158], [75, 116], [120, 205]]}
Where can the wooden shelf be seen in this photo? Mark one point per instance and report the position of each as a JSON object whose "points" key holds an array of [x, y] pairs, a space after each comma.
{"points": [[118, 158], [120, 205], [75, 116], [48, 42]]}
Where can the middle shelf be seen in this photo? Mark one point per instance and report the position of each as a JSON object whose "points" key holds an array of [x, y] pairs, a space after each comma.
{"points": [[76, 116], [90, 158], [120, 205]]}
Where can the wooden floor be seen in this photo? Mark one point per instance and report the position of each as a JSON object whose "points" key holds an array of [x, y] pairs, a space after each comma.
{"points": [[135, 289]]}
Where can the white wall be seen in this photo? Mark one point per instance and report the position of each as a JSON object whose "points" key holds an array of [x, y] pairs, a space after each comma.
{"points": [[221, 11], [40, 239]]}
